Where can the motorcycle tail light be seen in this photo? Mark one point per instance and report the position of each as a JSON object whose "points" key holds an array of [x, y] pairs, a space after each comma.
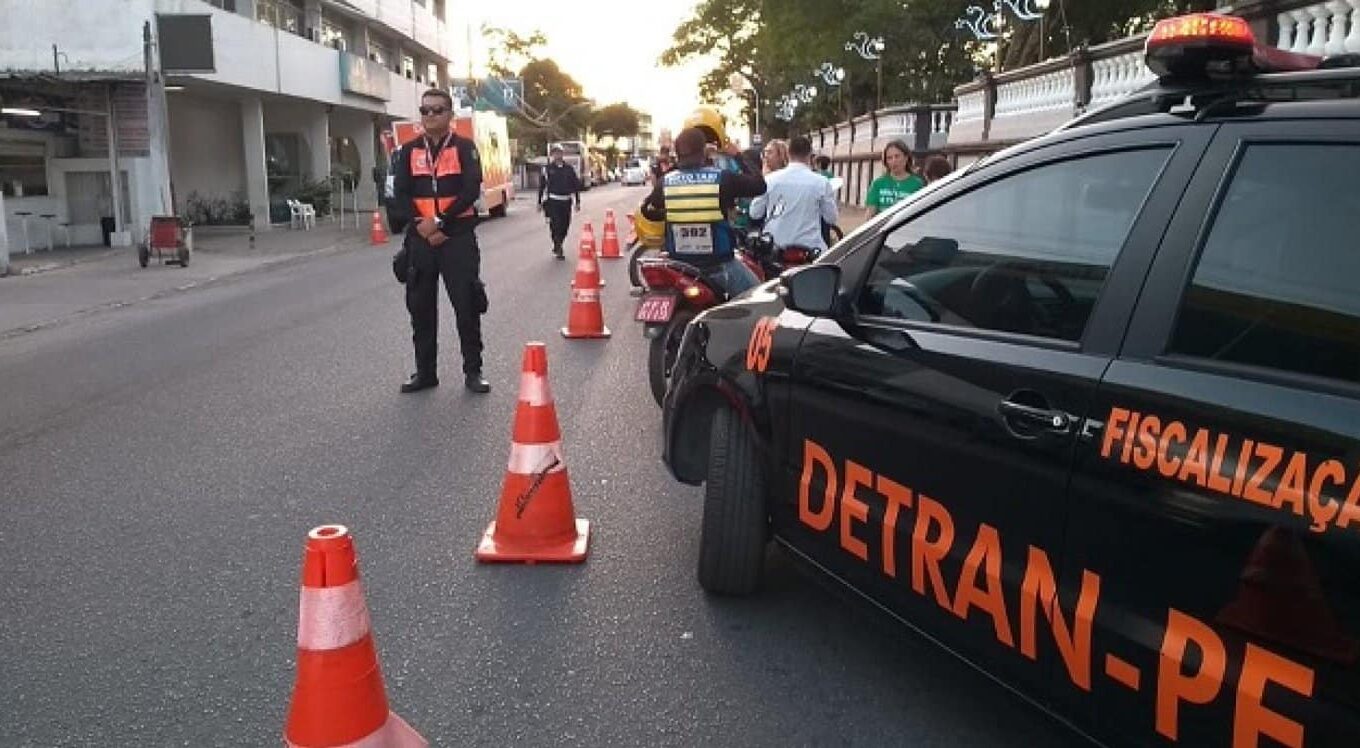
{"points": [[797, 256], [659, 276]]}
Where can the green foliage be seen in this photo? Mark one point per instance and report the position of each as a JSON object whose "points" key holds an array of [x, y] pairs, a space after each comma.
{"points": [[317, 192], [619, 120], [217, 210], [778, 44], [509, 50]]}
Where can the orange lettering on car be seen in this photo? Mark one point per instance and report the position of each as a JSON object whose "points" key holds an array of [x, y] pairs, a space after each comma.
{"points": [[985, 554], [852, 508], [760, 346], [927, 554], [1039, 593], [1114, 429], [815, 455], [1253, 491], [897, 497], [1175, 686], [1251, 718], [1145, 453]]}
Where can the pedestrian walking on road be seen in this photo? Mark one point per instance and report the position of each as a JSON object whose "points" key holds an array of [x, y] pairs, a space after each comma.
{"points": [[561, 185], [437, 181]]}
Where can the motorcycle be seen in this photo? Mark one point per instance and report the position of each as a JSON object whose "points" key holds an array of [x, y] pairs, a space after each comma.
{"points": [[773, 259], [674, 292]]}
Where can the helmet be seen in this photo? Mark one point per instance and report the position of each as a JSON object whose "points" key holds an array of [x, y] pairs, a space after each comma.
{"points": [[710, 120]]}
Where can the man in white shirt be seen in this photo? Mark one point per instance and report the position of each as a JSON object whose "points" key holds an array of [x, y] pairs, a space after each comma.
{"points": [[796, 201]]}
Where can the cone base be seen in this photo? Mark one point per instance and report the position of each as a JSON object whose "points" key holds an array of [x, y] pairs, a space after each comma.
{"points": [[604, 333], [571, 552], [394, 733]]}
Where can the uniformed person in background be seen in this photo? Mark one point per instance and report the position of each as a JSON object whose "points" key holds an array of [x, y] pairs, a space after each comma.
{"points": [[561, 185], [436, 185]]}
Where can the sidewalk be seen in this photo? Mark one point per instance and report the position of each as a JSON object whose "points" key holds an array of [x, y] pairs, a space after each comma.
{"points": [[48, 287], [207, 239]]}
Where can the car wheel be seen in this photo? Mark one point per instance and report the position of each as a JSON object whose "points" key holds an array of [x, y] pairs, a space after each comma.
{"points": [[499, 210], [736, 522]]}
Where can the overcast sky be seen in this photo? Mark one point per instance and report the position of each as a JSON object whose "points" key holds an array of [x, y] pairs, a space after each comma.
{"points": [[610, 46]]}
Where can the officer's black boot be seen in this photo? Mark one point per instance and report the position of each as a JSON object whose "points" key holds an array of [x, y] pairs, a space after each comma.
{"points": [[475, 383], [417, 383]]}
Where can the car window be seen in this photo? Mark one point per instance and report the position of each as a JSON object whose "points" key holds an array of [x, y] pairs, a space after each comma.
{"points": [[1025, 254], [1275, 282]]}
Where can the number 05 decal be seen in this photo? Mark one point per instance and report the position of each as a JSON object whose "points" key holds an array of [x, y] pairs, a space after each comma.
{"points": [[761, 344]]}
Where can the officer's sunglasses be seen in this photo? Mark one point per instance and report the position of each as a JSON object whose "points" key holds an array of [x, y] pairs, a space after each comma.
{"points": [[436, 110]]}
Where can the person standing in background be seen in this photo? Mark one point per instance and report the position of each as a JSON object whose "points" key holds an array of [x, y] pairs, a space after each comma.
{"points": [[894, 186]]}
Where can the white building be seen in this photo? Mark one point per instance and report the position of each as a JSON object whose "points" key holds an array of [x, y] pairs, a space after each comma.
{"points": [[257, 98]]}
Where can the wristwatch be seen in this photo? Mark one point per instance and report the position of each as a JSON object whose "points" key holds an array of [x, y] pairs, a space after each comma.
{"points": [[439, 223]]}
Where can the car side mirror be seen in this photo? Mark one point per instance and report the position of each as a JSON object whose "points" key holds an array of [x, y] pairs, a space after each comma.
{"points": [[811, 289]]}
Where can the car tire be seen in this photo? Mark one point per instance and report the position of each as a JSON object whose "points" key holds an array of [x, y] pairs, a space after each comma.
{"points": [[500, 210], [735, 525]]}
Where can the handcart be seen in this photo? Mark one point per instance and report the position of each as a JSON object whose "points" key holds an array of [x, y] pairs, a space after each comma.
{"points": [[170, 239]]}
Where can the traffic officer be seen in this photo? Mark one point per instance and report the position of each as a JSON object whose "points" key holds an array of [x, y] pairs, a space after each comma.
{"points": [[436, 185], [561, 184]]}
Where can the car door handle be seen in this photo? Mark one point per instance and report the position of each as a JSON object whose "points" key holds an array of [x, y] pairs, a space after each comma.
{"points": [[1045, 418]]}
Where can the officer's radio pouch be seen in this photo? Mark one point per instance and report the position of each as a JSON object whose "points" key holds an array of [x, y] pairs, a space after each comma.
{"points": [[401, 264]]}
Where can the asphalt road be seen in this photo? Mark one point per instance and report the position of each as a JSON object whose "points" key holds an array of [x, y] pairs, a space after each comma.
{"points": [[161, 462]]}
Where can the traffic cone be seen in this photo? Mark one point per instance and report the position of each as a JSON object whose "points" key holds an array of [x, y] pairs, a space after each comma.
{"points": [[587, 267], [588, 243], [609, 247], [338, 697], [1279, 598], [585, 318], [377, 235], [535, 521]]}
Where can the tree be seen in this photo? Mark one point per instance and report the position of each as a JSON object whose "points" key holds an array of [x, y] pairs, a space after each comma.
{"points": [[778, 43], [618, 120], [557, 102], [509, 50]]}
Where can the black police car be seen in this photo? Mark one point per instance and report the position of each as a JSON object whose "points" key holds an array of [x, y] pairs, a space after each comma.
{"points": [[1087, 414]]}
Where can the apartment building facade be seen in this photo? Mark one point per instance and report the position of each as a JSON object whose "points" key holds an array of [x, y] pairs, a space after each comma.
{"points": [[218, 107]]}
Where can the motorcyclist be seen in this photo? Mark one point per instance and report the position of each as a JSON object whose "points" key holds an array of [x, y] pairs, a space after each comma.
{"points": [[700, 199]]}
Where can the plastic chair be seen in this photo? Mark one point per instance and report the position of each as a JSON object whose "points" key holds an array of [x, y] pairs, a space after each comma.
{"points": [[301, 213]]}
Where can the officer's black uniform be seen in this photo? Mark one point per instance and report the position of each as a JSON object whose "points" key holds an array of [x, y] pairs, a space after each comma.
{"points": [[561, 184], [441, 180]]}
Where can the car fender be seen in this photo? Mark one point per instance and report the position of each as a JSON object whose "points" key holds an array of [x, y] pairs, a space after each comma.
{"points": [[738, 355]]}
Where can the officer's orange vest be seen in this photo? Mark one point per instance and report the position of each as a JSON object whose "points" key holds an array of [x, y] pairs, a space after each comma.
{"points": [[425, 178]]}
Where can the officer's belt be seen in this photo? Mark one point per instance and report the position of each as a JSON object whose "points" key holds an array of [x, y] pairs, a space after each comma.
{"points": [[551, 196]]}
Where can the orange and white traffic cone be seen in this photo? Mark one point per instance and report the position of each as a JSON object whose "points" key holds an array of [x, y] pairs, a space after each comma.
{"points": [[588, 243], [585, 318], [587, 267], [338, 698], [609, 247], [536, 520], [377, 234]]}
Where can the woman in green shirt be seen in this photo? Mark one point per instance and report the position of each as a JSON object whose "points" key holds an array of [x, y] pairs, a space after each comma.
{"points": [[899, 182]]}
